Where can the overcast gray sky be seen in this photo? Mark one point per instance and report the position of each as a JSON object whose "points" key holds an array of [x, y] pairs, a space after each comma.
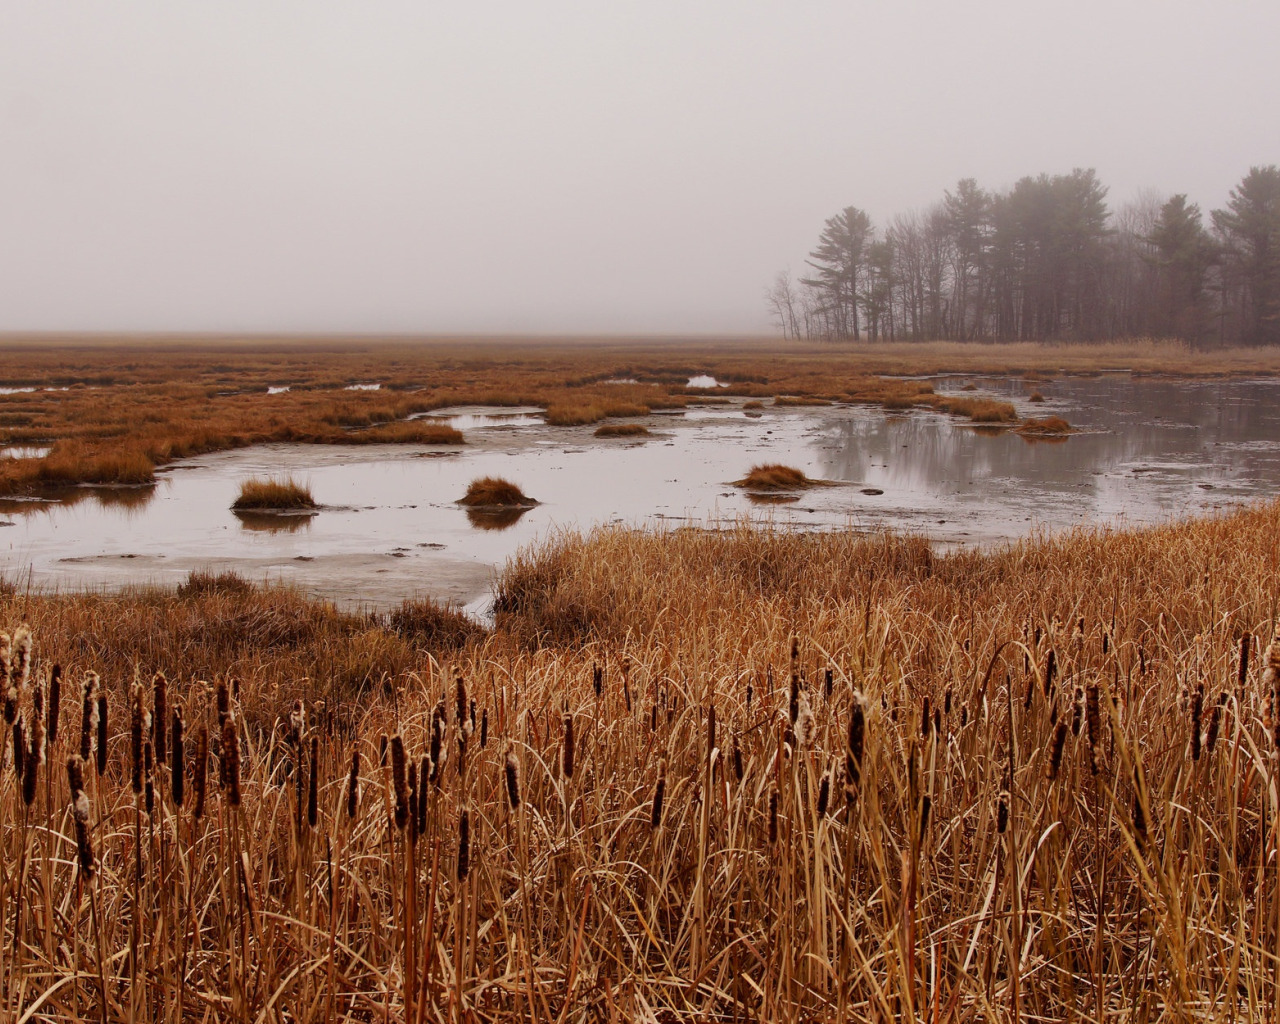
{"points": [[561, 167]]}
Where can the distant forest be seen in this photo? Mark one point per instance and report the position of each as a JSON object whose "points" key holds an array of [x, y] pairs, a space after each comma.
{"points": [[1046, 260]]}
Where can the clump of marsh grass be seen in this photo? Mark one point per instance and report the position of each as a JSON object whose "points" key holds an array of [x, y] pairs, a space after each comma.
{"points": [[622, 430], [1049, 426], [273, 494], [494, 492], [774, 477]]}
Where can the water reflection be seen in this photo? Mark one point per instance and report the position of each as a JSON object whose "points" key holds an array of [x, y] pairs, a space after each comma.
{"points": [[496, 518], [273, 522]]}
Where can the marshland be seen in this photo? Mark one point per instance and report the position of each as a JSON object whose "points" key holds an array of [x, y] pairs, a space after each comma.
{"points": [[717, 762]]}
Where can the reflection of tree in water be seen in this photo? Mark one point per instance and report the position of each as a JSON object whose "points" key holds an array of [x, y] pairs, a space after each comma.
{"points": [[495, 518], [271, 522]]}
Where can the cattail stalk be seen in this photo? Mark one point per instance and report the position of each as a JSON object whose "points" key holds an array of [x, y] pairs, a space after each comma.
{"points": [[353, 783]]}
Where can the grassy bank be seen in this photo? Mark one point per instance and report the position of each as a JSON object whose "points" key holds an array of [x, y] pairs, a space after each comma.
{"points": [[688, 774], [113, 410]]}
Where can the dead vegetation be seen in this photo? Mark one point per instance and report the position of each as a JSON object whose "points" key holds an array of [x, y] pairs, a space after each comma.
{"points": [[774, 477], [494, 492]]}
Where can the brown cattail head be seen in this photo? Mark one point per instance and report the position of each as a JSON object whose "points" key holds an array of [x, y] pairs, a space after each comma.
{"points": [[200, 770], [231, 759], [80, 813], [853, 753], [420, 810], [828, 683], [1059, 742], [437, 735], [750, 693], [484, 728], [926, 806], [222, 698], [824, 794], [464, 844], [1002, 812], [568, 746], [413, 801], [659, 791], [148, 787], [102, 733], [1242, 672], [19, 747], [773, 816], [1077, 711], [926, 718], [20, 670], [793, 700], [55, 702], [1050, 671], [737, 759], [139, 726], [1215, 722], [160, 711], [1139, 812], [313, 783], [711, 729], [460, 699], [597, 679], [512, 771], [400, 780], [382, 750], [353, 783], [34, 759], [89, 719], [179, 758]]}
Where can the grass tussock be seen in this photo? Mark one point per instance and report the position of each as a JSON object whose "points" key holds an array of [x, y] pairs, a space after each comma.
{"points": [[263, 494], [1048, 426], [435, 626], [753, 404], [494, 492], [774, 477], [783, 401], [585, 415], [978, 410], [744, 774], [622, 430]]}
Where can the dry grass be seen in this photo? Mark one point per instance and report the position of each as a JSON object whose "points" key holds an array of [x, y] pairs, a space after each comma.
{"points": [[622, 430], [494, 492], [1049, 425], [752, 775], [774, 477], [259, 494]]}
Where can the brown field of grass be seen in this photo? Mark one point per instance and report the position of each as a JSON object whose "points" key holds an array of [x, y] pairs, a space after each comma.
{"points": [[113, 409], [688, 775]]}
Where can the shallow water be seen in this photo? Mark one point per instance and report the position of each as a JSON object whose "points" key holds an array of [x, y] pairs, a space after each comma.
{"points": [[1148, 449]]}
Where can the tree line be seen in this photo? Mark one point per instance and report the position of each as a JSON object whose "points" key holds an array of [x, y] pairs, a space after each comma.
{"points": [[1046, 260]]}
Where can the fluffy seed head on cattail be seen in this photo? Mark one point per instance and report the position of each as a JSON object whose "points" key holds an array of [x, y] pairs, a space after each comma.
{"points": [[102, 733], [568, 746], [400, 780], [55, 702], [177, 776], [659, 791], [805, 726], [464, 844], [231, 759], [511, 769], [297, 724], [353, 783], [89, 717], [160, 707], [80, 813], [21, 669]]}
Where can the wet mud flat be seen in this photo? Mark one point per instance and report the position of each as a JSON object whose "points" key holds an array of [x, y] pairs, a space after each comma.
{"points": [[389, 526]]}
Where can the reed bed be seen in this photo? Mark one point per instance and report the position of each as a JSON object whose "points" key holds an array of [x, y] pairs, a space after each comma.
{"points": [[690, 775]]}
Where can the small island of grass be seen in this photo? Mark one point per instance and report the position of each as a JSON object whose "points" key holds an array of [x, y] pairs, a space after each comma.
{"points": [[274, 494], [494, 492], [775, 477], [622, 430], [1050, 426]]}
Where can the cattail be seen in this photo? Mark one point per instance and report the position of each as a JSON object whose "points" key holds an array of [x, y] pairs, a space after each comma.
{"points": [[946, 702], [382, 750], [139, 725], [437, 767], [1002, 812], [102, 733], [824, 794], [55, 702], [89, 718], [1050, 671], [160, 711], [1197, 713], [421, 810], [231, 759], [179, 758], [1215, 720], [21, 669], [148, 787], [1093, 725], [464, 845], [711, 729], [460, 706], [804, 724], [200, 771], [1106, 641], [773, 816], [413, 800], [597, 679], [1059, 741], [926, 805], [222, 699], [626, 688], [472, 716], [750, 692], [400, 780], [1243, 673], [853, 756], [313, 783], [512, 772], [568, 746], [33, 761], [297, 724], [1077, 711], [1139, 815], [659, 790], [484, 728], [353, 784], [793, 701], [437, 734], [19, 748], [80, 812], [653, 717], [828, 683]]}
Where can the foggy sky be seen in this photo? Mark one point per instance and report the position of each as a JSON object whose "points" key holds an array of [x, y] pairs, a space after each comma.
{"points": [[561, 167]]}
